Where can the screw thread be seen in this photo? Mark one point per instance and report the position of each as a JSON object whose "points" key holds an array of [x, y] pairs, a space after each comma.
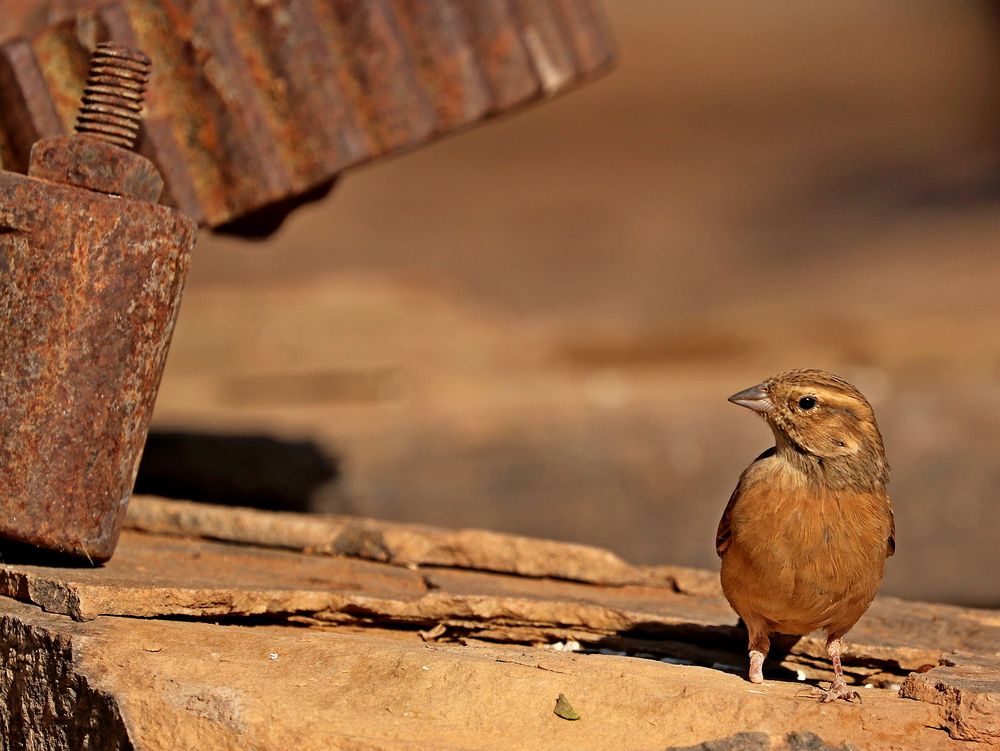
{"points": [[111, 109]]}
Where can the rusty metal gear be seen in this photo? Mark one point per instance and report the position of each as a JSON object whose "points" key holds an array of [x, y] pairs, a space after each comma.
{"points": [[258, 105]]}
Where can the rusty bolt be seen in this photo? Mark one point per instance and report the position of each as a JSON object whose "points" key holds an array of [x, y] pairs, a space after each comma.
{"points": [[99, 156], [112, 102], [91, 273]]}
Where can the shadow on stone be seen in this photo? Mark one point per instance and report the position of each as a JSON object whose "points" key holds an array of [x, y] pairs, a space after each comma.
{"points": [[258, 471], [21, 553], [717, 647], [794, 741]]}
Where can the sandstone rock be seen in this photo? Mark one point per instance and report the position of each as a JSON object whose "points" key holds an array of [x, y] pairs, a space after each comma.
{"points": [[181, 641], [167, 684], [46, 704], [968, 689], [402, 544]]}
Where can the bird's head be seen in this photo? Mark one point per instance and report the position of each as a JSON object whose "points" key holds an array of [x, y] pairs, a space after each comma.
{"points": [[823, 418]]}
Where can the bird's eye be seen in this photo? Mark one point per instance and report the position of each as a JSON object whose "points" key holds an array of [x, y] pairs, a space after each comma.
{"points": [[807, 402]]}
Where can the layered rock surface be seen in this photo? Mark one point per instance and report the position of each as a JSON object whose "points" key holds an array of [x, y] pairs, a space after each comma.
{"points": [[220, 628]]}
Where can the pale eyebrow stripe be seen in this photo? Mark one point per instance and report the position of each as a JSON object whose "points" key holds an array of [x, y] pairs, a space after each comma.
{"points": [[845, 404]]}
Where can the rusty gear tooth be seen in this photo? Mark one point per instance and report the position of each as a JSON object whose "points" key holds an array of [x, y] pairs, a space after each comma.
{"points": [[111, 109], [267, 102]]}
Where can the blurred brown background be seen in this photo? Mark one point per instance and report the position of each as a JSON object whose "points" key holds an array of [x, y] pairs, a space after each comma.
{"points": [[534, 326]]}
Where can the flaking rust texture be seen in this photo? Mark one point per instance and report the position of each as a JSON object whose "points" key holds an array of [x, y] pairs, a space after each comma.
{"points": [[258, 106], [91, 273], [90, 287]]}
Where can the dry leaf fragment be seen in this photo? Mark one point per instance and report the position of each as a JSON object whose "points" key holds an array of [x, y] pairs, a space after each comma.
{"points": [[564, 709]]}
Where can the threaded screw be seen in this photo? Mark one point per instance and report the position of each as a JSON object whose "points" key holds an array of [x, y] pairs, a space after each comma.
{"points": [[111, 109]]}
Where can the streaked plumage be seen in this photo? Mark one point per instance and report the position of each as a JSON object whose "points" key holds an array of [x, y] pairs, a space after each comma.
{"points": [[805, 535]]}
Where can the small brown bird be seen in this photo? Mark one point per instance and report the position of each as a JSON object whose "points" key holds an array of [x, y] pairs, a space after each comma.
{"points": [[806, 534]]}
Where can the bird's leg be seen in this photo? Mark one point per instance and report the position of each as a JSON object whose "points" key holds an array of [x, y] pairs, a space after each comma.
{"points": [[838, 689], [757, 666], [760, 643]]}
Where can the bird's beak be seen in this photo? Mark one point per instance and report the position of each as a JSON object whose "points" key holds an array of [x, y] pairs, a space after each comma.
{"points": [[755, 398]]}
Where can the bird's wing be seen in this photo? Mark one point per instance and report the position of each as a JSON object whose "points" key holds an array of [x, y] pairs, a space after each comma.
{"points": [[891, 547], [723, 534]]}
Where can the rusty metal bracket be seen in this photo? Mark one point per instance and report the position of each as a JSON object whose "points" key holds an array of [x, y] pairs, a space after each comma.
{"points": [[259, 106], [91, 272]]}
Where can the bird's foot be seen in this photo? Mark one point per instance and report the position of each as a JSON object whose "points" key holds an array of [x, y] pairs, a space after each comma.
{"points": [[837, 690]]}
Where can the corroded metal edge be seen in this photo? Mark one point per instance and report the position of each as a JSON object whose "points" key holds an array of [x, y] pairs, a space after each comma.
{"points": [[256, 107]]}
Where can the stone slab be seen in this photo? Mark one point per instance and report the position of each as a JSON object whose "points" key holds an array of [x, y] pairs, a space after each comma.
{"points": [[155, 684]]}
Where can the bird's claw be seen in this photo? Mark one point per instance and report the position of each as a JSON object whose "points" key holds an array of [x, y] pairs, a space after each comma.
{"points": [[836, 690]]}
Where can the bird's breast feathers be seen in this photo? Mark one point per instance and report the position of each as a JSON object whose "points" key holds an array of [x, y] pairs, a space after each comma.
{"points": [[776, 509], [795, 553]]}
